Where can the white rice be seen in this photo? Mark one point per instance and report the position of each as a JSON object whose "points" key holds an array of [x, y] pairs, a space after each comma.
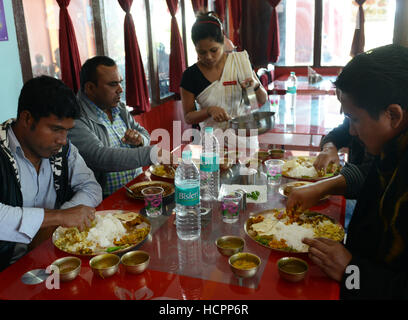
{"points": [[301, 171], [107, 229], [293, 234]]}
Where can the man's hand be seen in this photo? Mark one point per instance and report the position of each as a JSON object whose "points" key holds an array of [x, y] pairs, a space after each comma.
{"points": [[79, 216], [331, 256], [327, 156], [218, 114], [304, 197], [133, 138]]}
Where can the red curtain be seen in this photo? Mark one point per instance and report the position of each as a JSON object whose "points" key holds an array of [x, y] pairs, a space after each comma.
{"points": [[69, 54], [220, 9], [359, 39], [199, 5], [177, 59], [236, 9], [137, 92], [273, 49]]}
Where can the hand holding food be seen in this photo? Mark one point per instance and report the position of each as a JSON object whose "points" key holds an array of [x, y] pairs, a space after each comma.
{"points": [[327, 158], [79, 216], [304, 197]]}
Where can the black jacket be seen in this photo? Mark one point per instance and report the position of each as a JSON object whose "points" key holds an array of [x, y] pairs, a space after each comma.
{"points": [[10, 190]]}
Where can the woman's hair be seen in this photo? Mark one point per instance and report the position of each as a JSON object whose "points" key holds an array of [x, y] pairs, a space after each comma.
{"points": [[207, 25], [377, 78]]}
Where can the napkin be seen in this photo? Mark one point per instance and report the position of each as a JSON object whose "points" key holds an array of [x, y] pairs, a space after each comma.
{"points": [[229, 188]]}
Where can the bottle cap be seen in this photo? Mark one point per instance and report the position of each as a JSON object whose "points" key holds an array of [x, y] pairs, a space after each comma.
{"points": [[292, 73], [209, 129], [186, 155]]}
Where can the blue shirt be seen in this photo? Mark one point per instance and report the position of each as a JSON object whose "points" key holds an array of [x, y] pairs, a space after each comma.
{"points": [[21, 224]]}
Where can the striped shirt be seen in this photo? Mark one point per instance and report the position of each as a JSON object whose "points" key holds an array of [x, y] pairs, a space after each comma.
{"points": [[116, 131]]}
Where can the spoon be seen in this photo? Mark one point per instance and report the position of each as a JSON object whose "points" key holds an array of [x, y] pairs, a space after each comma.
{"points": [[130, 191]]}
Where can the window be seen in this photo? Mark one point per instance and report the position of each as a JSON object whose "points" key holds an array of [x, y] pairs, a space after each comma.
{"points": [[114, 19], [296, 27], [42, 21], [339, 21], [190, 19], [161, 31]]}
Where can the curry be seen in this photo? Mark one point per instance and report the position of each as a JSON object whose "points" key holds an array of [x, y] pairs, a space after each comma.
{"points": [[244, 264]]}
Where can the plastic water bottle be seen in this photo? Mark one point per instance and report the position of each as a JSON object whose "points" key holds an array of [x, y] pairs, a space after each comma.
{"points": [[187, 198], [210, 166], [292, 83]]}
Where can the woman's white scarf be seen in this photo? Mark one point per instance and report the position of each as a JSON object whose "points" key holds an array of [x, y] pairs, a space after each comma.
{"points": [[222, 93]]}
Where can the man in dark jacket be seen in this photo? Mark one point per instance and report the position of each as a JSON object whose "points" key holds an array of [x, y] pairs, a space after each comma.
{"points": [[44, 182], [373, 263]]}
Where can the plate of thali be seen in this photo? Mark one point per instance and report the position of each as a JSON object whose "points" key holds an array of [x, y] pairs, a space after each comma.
{"points": [[287, 188], [278, 230], [113, 231], [163, 170], [138, 187], [301, 168]]}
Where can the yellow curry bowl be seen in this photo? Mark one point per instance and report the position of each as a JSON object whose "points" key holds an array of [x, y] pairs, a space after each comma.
{"points": [[105, 265], [135, 261], [244, 264], [229, 245], [292, 269], [69, 268]]}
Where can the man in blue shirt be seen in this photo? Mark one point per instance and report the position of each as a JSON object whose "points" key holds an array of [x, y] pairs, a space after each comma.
{"points": [[44, 182], [112, 143]]}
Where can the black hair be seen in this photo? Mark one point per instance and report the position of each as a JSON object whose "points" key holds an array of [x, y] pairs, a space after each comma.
{"points": [[44, 96], [88, 70], [207, 25], [377, 78]]}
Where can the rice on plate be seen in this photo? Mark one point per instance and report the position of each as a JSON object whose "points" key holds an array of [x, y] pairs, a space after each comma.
{"points": [[302, 167], [277, 229], [110, 232]]}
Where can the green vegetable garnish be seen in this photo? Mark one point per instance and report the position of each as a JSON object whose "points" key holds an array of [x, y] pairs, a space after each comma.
{"points": [[112, 249]]}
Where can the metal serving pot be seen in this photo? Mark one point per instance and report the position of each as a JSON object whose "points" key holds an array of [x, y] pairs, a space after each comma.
{"points": [[262, 121]]}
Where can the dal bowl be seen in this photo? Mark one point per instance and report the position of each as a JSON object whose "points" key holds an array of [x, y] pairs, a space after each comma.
{"points": [[69, 268], [244, 264], [229, 245], [292, 269], [135, 261], [105, 265]]}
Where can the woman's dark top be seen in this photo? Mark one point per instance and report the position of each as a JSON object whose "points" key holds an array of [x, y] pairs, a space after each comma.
{"points": [[194, 81]]}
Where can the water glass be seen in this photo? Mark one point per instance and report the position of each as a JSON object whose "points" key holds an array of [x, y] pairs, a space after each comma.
{"points": [[230, 207], [274, 171], [153, 197]]}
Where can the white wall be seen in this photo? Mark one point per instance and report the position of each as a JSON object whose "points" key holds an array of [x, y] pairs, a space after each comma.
{"points": [[11, 79]]}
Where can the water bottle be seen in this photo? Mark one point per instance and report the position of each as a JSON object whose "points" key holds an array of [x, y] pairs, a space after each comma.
{"points": [[291, 83], [210, 166], [187, 198]]}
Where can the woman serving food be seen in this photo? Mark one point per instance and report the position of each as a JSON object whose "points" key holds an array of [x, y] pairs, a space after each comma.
{"points": [[216, 81]]}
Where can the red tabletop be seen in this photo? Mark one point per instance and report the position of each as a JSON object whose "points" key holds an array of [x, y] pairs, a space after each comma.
{"points": [[180, 269]]}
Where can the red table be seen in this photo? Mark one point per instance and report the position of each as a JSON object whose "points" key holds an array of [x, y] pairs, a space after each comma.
{"points": [[172, 272], [322, 87]]}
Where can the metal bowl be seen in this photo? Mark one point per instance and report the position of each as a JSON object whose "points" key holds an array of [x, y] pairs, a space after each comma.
{"points": [[229, 245], [244, 273], [135, 261], [69, 268], [292, 269], [261, 121], [105, 265]]}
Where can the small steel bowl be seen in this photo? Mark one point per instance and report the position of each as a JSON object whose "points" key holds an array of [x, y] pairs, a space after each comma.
{"points": [[229, 245], [244, 273], [69, 268], [135, 261], [105, 265], [292, 269]]}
